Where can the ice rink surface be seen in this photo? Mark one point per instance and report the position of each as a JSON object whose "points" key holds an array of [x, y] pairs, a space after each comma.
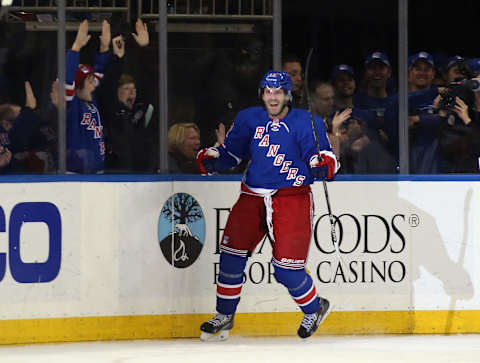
{"points": [[325, 349]]}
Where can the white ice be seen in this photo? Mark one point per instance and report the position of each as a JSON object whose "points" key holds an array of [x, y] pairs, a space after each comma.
{"points": [[324, 349]]}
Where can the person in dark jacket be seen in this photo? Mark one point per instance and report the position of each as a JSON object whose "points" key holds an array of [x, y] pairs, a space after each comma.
{"points": [[128, 128]]}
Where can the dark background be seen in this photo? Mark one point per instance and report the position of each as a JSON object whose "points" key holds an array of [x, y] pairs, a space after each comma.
{"points": [[340, 31], [346, 31]]}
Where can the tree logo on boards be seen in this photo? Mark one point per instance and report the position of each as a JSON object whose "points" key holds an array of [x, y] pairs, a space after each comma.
{"points": [[181, 230]]}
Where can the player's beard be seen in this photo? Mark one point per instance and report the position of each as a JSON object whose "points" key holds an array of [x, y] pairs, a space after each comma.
{"points": [[277, 113]]}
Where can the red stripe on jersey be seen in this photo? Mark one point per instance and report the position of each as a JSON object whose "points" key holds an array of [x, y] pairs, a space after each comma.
{"points": [[307, 298], [228, 291]]}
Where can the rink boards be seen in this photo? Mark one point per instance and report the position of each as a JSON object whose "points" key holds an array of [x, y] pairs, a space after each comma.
{"points": [[137, 258]]}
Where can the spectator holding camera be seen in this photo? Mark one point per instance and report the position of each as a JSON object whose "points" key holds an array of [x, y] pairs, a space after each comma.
{"points": [[455, 69], [474, 66], [460, 130], [457, 106]]}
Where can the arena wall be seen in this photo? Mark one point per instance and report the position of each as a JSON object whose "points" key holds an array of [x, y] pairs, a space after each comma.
{"points": [[92, 259]]}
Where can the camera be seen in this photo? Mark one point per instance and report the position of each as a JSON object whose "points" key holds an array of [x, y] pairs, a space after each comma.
{"points": [[463, 89]]}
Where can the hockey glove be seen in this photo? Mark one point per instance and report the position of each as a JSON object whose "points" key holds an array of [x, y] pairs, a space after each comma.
{"points": [[325, 166], [208, 160]]}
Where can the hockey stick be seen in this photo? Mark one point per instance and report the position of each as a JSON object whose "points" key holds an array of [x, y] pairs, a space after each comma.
{"points": [[317, 145]]}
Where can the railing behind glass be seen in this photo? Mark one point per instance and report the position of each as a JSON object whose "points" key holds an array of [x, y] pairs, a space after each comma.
{"points": [[209, 9], [71, 5], [42, 14]]}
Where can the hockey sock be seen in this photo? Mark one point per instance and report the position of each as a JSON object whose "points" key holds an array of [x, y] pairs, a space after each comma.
{"points": [[229, 282], [301, 288]]}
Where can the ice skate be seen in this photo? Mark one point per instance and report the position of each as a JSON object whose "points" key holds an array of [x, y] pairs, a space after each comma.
{"points": [[311, 322], [217, 328]]}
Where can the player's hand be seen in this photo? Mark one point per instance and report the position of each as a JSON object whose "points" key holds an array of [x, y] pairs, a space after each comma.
{"points": [[325, 166], [82, 36], [207, 160], [141, 37], [118, 45], [106, 37]]}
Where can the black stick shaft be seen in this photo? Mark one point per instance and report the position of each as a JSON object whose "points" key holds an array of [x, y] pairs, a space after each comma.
{"points": [[317, 145]]}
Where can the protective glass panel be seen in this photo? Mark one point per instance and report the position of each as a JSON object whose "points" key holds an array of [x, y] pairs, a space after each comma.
{"points": [[353, 64], [28, 124], [214, 71], [443, 98]]}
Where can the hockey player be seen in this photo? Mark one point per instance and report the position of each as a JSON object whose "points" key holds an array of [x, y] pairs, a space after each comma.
{"points": [[279, 141], [85, 142]]}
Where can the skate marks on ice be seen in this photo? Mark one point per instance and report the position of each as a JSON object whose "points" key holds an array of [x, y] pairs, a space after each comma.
{"points": [[332, 349]]}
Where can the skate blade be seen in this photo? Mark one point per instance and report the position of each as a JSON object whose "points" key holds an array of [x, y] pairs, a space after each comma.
{"points": [[218, 337]]}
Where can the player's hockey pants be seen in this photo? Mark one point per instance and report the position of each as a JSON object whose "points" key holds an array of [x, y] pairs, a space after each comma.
{"points": [[288, 216]]}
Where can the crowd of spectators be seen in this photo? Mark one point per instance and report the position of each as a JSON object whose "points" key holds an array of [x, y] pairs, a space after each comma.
{"points": [[110, 130], [363, 123]]}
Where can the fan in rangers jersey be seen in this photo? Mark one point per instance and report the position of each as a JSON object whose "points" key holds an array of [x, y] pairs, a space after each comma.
{"points": [[275, 198], [85, 142]]}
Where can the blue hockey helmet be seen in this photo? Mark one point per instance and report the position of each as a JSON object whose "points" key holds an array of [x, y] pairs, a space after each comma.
{"points": [[276, 79]]}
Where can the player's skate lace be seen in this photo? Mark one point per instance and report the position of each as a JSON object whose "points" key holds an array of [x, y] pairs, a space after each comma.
{"points": [[220, 319], [309, 320], [217, 323]]}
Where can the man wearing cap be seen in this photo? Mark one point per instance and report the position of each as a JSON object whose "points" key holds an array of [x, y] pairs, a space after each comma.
{"points": [[377, 100], [293, 66], [474, 65], [344, 85], [423, 122], [420, 71], [85, 141], [377, 72], [453, 70]]}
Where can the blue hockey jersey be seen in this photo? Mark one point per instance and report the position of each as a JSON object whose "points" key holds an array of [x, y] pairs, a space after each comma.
{"points": [[85, 142], [279, 149]]}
